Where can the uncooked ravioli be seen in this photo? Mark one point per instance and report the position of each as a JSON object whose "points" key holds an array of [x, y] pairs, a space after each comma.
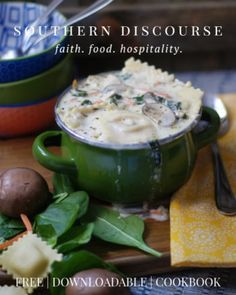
{"points": [[29, 257]]}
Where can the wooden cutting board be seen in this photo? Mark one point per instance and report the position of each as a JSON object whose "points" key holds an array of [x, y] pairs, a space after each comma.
{"points": [[17, 153]]}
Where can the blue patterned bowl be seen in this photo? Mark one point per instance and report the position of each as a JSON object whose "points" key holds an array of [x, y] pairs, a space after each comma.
{"points": [[19, 15]]}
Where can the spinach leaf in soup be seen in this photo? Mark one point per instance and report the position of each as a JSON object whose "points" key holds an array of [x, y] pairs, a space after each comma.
{"points": [[79, 92], [62, 215], [82, 92], [73, 263], [175, 106], [110, 226], [139, 99], [116, 96], [113, 101], [86, 102]]}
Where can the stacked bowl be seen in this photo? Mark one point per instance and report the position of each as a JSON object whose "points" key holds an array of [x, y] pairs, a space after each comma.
{"points": [[29, 85]]}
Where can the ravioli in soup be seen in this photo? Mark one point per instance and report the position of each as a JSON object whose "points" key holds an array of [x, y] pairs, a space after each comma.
{"points": [[135, 105]]}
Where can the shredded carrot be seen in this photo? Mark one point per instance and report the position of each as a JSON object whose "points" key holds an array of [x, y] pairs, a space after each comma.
{"points": [[98, 101], [75, 84], [26, 222], [11, 241]]}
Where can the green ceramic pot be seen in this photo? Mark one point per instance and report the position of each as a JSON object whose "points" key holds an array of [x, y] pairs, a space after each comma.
{"points": [[39, 87], [127, 174]]}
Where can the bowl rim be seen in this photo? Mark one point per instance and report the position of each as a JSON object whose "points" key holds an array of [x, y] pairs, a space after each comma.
{"points": [[115, 146], [45, 51], [36, 77], [30, 104]]}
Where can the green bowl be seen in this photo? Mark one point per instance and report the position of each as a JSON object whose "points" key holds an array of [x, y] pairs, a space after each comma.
{"points": [[38, 88], [126, 174]]}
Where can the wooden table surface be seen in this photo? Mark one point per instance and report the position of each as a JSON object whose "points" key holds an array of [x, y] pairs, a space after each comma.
{"points": [[17, 153]]}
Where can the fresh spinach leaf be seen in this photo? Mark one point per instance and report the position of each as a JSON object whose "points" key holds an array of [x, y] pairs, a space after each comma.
{"points": [[62, 184], [76, 236], [60, 197], [47, 233], [73, 263], [111, 227], [64, 214], [10, 222], [9, 227]]}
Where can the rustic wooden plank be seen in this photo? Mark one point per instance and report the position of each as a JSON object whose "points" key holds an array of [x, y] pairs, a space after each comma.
{"points": [[17, 153]]}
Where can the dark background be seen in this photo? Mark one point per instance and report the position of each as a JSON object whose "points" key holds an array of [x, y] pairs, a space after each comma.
{"points": [[202, 53]]}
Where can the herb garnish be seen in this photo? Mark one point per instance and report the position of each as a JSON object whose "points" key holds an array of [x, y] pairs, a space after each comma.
{"points": [[139, 99], [114, 98], [82, 92], [114, 101], [173, 105], [160, 99], [79, 93], [125, 76], [117, 96], [86, 102], [179, 105]]}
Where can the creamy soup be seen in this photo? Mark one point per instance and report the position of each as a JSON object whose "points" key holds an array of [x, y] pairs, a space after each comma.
{"points": [[137, 104]]}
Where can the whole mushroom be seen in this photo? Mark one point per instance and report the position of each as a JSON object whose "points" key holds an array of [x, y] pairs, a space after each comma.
{"points": [[22, 190]]}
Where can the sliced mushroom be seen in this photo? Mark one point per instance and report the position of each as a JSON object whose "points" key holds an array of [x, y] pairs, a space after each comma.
{"points": [[160, 114], [149, 97], [114, 88]]}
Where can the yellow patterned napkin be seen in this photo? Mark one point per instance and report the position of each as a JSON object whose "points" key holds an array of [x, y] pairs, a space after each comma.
{"points": [[200, 235]]}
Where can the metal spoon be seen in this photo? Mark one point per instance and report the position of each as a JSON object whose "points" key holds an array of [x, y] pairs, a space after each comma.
{"points": [[14, 53], [98, 5], [224, 196]]}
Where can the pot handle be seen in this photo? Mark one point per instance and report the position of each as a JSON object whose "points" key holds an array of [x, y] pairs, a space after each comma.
{"points": [[208, 134], [49, 160]]}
